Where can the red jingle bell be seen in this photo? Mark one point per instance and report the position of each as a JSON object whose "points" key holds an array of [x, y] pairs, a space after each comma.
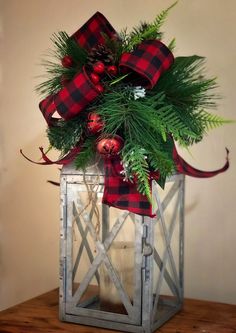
{"points": [[94, 123], [110, 146], [67, 61]]}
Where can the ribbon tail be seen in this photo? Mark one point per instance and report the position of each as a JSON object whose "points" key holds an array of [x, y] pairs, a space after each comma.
{"points": [[123, 194], [28, 159], [52, 182], [64, 160], [183, 167]]}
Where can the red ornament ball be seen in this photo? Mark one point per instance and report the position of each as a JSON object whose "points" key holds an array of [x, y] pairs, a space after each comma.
{"points": [[94, 123], [94, 78], [67, 61], [99, 67], [110, 146], [112, 70]]}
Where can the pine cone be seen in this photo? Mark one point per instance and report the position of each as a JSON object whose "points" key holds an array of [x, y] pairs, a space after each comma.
{"points": [[100, 53]]}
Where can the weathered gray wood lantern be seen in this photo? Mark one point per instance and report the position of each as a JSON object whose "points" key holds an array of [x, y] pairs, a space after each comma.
{"points": [[124, 272]]}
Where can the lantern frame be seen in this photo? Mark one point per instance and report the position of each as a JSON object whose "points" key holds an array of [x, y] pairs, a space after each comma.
{"points": [[148, 309]]}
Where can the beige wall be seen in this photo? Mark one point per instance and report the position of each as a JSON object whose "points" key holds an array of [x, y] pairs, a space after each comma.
{"points": [[29, 229]]}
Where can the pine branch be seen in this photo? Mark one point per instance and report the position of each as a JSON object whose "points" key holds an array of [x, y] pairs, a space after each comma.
{"points": [[55, 72], [162, 161], [185, 86], [65, 45], [87, 154], [148, 121], [64, 135], [187, 92]]}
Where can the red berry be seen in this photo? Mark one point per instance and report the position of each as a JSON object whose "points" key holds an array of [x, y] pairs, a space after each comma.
{"points": [[99, 87], [67, 61], [99, 67], [94, 78], [112, 70]]}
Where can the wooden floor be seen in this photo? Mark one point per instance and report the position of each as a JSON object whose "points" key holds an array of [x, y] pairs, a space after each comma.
{"points": [[41, 315]]}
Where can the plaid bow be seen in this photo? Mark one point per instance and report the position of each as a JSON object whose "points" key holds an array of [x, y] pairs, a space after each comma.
{"points": [[148, 62]]}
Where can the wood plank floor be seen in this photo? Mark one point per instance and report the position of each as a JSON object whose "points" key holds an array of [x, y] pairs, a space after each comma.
{"points": [[41, 315]]}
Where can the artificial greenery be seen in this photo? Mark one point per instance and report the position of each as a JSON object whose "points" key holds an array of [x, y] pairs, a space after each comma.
{"points": [[55, 72], [174, 109], [135, 159], [87, 154], [64, 135], [144, 31]]}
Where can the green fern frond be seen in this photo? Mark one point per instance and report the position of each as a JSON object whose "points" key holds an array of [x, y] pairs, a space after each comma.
{"points": [[162, 162], [144, 31], [211, 121], [135, 158], [160, 19]]}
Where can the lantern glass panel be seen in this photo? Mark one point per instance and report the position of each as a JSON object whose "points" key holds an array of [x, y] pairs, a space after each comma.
{"points": [[100, 263]]}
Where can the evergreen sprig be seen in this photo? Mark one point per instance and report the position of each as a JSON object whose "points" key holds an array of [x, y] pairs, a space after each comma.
{"points": [[135, 158], [211, 121], [185, 85], [65, 45], [55, 72], [145, 31], [65, 135], [87, 154]]}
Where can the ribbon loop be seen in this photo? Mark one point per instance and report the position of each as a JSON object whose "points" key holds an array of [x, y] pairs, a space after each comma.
{"points": [[91, 33], [75, 96], [70, 100], [149, 60]]}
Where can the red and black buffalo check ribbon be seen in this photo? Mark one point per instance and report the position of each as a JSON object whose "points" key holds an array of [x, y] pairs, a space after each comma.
{"points": [[145, 65], [149, 60], [124, 195]]}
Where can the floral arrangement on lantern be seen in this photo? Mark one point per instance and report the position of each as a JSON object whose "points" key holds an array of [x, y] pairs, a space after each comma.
{"points": [[125, 99]]}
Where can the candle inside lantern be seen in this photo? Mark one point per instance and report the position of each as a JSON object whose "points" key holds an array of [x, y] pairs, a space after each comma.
{"points": [[122, 258]]}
